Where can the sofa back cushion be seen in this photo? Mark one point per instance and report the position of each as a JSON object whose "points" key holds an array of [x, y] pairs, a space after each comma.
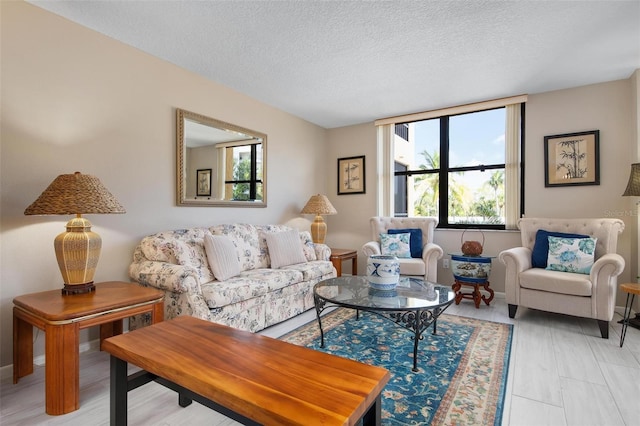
{"points": [[186, 246], [192, 253], [159, 247]]}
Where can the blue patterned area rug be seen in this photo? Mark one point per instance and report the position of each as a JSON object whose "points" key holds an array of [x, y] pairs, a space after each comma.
{"points": [[463, 369]]}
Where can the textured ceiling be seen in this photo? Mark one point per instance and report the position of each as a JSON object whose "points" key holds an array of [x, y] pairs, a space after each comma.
{"points": [[337, 63]]}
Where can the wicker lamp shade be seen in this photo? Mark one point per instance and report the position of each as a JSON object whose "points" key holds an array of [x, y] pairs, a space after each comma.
{"points": [[633, 186], [318, 205], [77, 249]]}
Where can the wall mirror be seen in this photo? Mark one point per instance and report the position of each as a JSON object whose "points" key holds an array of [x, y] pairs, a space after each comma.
{"points": [[218, 163]]}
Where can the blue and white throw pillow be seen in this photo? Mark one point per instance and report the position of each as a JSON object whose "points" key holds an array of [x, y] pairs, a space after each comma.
{"points": [[395, 245], [571, 254]]}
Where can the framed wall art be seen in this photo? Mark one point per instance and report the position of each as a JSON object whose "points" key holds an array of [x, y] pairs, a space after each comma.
{"points": [[203, 180], [351, 175], [572, 159]]}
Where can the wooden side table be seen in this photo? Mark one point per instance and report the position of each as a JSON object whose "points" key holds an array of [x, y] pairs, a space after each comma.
{"points": [[631, 289], [62, 317], [340, 255]]}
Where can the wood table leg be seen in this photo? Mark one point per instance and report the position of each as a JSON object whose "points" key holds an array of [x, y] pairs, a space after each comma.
{"points": [[354, 266], [22, 348], [110, 329], [486, 299], [157, 314], [456, 289], [62, 365], [338, 266]]}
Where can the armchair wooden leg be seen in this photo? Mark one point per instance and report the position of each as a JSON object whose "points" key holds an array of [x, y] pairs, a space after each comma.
{"points": [[604, 328], [512, 310]]}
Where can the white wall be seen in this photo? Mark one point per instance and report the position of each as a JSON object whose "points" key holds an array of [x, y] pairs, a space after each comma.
{"points": [[609, 107], [75, 100]]}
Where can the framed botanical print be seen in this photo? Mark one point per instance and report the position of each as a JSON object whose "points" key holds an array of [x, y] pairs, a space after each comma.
{"points": [[351, 175], [203, 180], [572, 159]]}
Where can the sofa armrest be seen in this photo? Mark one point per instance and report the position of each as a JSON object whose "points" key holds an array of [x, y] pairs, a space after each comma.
{"points": [[603, 276], [323, 252], [371, 248], [166, 276], [430, 254], [516, 260]]}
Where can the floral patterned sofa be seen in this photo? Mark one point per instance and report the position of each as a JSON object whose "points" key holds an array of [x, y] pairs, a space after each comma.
{"points": [[252, 295]]}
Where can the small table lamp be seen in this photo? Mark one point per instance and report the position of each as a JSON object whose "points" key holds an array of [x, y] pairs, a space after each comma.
{"points": [[633, 190], [77, 249], [318, 205]]}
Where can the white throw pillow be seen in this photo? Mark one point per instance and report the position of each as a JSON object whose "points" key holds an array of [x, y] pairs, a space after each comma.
{"points": [[571, 254], [395, 245], [285, 248], [222, 256]]}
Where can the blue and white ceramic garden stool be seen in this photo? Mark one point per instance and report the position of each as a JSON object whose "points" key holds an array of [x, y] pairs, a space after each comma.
{"points": [[471, 271]]}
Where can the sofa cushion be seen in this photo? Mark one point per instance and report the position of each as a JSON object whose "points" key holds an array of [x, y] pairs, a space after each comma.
{"points": [[222, 256], [395, 245], [571, 254], [312, 270], [415, 240], [192, 253], [540, 251], [247, 285], [412, 266], [285, 248], [556, 282]]}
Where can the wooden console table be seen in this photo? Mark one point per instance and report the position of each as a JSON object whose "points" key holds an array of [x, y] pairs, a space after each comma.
{"points": [[253, 379], [62, 317], [340, 255]]}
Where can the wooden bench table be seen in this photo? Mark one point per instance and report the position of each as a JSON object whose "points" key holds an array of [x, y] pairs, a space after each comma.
{"points": [[251, 378]]}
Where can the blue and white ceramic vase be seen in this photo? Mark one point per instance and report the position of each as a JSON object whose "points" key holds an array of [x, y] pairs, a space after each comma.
{"points": [[383, 272]]}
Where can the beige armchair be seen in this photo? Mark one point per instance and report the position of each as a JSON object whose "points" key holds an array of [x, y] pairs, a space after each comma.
{"points": [[426, 266], [590, 295]]}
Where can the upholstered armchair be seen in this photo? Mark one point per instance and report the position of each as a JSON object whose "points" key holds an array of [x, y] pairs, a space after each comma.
{"points": [[539, 281], [424, 264]]}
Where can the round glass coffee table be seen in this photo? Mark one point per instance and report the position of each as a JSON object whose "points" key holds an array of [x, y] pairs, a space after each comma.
{"points": [[414, 304]]}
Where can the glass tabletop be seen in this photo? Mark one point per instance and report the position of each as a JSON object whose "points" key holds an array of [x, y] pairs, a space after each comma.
{"points": [[409, 294]]}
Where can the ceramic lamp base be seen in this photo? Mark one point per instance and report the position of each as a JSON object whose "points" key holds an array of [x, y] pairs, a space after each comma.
{"points": [[318, 230], [77, 252]]}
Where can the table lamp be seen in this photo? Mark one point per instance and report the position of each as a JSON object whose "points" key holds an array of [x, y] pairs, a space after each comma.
{"points": [[318, 205], [633, 190], [77, 249]]}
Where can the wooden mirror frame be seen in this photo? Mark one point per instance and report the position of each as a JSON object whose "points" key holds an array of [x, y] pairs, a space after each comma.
{"points": [[229, 135]]}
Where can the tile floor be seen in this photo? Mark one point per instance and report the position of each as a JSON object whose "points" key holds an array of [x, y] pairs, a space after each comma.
{"points": [[561, 373]]}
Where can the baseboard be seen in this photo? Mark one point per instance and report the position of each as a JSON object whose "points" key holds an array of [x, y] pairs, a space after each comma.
{"points": [[6, 372]]}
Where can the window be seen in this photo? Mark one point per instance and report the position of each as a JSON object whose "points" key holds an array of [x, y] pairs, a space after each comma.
{"points": [[460, 165], [402, 130], [244, 172]]}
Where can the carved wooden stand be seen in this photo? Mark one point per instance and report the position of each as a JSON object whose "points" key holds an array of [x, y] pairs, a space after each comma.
{"points": [[475, 295]]}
